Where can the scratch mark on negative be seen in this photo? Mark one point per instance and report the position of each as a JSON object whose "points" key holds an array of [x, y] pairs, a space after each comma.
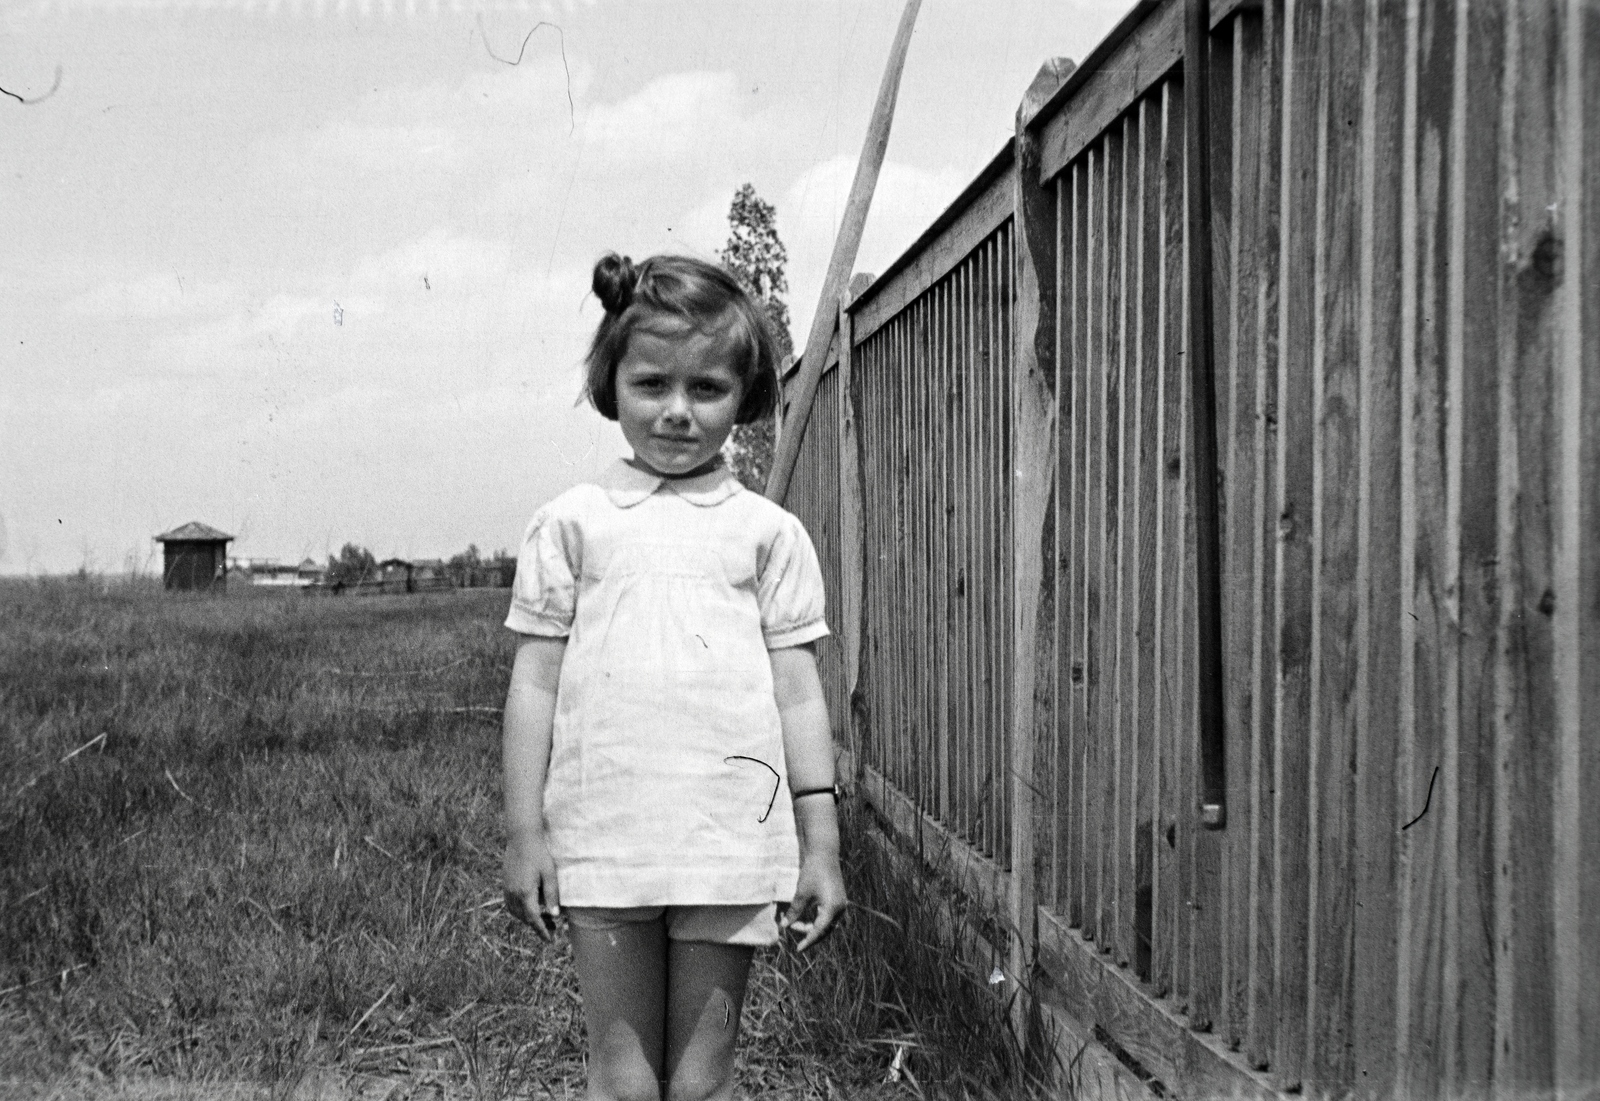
{"points": [[1426, 803], [26, 102], [777, 781], [572, 112]]}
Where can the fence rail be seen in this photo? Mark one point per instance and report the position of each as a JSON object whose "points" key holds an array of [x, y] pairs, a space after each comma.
{"points": [[1406, 241]]}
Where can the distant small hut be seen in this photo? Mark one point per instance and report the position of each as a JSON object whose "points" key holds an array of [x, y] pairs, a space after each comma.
{"points": [[195, 557], [399, 575]]}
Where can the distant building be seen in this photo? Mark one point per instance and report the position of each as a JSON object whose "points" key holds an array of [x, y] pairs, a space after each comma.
{"points": [[399, 575], [272, 573], [195, 557]]}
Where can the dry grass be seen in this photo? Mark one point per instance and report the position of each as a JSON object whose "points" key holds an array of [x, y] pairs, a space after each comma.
{"points": [[252, 844]]}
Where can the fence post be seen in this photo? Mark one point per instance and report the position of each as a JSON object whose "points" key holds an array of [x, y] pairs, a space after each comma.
{"points": [[1033, 519], [852, 531]]}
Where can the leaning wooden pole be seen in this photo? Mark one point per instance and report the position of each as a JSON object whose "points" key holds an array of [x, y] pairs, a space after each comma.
{"points": [[1202, 374], [844, 258]]}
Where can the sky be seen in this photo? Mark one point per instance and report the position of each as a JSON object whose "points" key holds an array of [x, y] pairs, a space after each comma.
{"points": [[317, 271]]}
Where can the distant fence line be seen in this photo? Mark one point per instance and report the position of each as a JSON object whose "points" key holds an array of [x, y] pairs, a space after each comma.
{"points": [[1406, 241]]}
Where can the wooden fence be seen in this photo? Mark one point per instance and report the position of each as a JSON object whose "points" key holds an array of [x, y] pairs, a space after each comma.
{"points": [[1405, 899]]}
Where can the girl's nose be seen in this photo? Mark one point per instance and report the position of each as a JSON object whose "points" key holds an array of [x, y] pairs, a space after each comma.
{"points": [[677, 408]]}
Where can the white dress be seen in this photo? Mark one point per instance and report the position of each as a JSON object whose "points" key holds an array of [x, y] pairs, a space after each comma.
{"points": [[667, 784]]}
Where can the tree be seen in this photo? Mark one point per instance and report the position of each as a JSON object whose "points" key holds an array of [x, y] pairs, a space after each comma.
{"points": [[756, 255], [351, 564]]}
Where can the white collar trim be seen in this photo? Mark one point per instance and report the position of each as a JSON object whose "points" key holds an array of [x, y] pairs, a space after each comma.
{"points": [[627, 485]]}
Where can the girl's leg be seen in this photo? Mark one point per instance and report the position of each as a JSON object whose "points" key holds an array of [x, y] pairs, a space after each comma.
{"points": [[622, 972], [705, 990]]}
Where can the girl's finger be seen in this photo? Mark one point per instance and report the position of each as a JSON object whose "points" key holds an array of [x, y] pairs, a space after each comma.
{"points": [[827, 913]]}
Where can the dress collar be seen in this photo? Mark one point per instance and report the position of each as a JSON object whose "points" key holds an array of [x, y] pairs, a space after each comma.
{"points": [[627, 485]]}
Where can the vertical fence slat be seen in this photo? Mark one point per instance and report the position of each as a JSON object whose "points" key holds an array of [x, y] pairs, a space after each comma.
{"points": [[1122, 659], [1261, 1026], [1212, 932], [1146, 822], [1335, 646], [1078, 670], [1173, 870], [1577, 616], [1378, 733], [1474, 498], [1241, 519], [1302, 92], [1527, 712], [1427, 699]]}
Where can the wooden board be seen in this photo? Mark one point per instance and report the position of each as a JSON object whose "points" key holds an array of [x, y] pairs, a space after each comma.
{"points": [[1380, 608], [1241, 519], [1097, 994], [1302, 96], [1032, 455], [1261, 1013], [1336, 566], [984, 213]]}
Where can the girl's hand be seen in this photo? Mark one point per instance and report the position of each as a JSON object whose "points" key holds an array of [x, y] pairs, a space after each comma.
{"points": [[530, 883], [821, 886]]}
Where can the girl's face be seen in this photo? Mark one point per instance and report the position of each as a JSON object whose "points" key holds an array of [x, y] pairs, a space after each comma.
{"points": [[678, 396]]}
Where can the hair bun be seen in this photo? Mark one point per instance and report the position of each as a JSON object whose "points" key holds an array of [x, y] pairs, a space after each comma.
{"points": [[614, 280]]}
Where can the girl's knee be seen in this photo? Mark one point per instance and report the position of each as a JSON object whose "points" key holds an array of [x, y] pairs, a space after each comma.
{"points": [[632, 1080], [701, 1083]]}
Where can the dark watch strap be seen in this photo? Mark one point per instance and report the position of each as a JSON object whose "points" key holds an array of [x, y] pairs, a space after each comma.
{"points": [[832, 789]]}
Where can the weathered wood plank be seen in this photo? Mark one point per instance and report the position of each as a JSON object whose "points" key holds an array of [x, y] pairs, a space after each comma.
{"points": [[1032, 464], [1336, 651], [1428, 700], [1168, 966], [985, 574], [1004, 474], [1138, 63], [1147, 491], [967, 489], [1124, 671], [1111, 505], [1261, 1009], [1577, 612], [1302, 95], [1379, 605], [1094, 1071], [1088, 988], [1475, 324], [1239, 508], [1526, 708], [1094, 556], [980, 878], [1208, 1009], [1078, 670]]}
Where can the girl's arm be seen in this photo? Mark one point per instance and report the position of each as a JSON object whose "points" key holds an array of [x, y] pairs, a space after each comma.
{"points": [[808, 752], [530, 873]]}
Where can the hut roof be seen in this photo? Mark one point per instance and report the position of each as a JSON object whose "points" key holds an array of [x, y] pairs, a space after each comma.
{"points": [[194, 532]]}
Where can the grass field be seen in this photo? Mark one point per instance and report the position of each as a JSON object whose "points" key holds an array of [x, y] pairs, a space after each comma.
{"points": [[256, 839]]}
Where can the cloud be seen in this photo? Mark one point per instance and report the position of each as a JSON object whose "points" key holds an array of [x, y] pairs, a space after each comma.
{"points": [[905, 202], [676, 115]]}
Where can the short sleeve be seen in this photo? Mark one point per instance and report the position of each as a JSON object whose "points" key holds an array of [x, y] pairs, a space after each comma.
{"points": [[790, 593], [545, 590]]}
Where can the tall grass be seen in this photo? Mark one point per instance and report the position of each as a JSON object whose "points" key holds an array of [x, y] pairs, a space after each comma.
{"points": [[249, 839]]}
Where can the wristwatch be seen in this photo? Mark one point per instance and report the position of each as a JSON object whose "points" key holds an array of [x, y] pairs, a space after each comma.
{"points": [[832, 789]]}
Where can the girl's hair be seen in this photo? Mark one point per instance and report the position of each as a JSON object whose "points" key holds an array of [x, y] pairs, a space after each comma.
{"points": [[707, 297]]}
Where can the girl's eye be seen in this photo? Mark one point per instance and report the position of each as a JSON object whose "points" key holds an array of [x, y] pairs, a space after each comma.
{"points": [[710, 390]]}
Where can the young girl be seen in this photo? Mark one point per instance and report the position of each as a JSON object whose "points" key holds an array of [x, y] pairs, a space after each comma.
{"points": [[665, 732]]}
